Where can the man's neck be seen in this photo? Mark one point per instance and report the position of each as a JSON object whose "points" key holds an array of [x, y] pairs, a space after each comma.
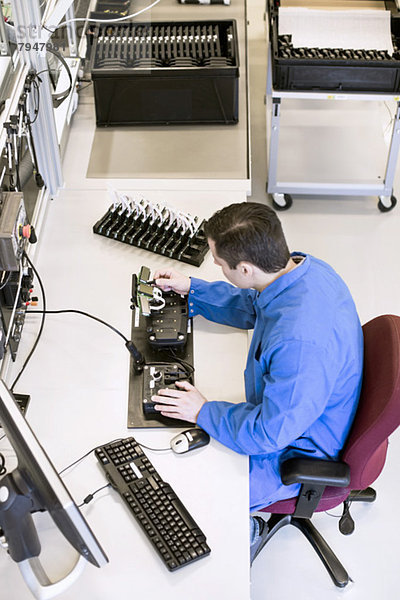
{"points": [[263, 279]]}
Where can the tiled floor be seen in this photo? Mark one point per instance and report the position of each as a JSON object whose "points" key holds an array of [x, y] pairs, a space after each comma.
{"points": [[362, 244]]}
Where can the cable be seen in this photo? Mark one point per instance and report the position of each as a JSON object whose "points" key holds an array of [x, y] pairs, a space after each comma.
{"points": [[90, 497], [15, 303], [3, 285], [28, 125], [78, 460], [3, 469], [80, 89], [87, 19], [36, 101], [41, 324], [187, 366], [154, 449], [80, 312], [84, 456], [61, 96]]}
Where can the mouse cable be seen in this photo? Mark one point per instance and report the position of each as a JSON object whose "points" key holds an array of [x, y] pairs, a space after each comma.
{"points": [[154, 449], [78, 460], [41, 324]]}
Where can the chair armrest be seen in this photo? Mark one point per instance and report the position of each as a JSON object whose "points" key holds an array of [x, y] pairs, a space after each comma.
{"points": [[315, 471]]}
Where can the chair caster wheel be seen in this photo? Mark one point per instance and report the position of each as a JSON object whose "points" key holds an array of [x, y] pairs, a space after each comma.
{"points": [[282, 201], [383, 207]]}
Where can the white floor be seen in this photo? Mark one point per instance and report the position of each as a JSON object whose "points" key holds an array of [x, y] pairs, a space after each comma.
{"points": [[362, 244]]}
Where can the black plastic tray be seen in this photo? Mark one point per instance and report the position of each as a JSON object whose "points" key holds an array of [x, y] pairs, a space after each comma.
{"points": [[165, 73], [334, 74]]}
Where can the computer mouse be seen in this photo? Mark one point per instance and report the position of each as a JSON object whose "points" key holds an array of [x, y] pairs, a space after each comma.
{"points": [[189, 440]]}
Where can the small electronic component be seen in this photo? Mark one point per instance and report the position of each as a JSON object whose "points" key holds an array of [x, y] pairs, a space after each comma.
{"points": [[145, 296], [16, 279], [13, 230], [157, 377], [168, 326], [167, 313], [15, 296]]}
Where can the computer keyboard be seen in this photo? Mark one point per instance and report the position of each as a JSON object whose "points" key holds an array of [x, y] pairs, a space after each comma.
{"points": [[164, 519]]}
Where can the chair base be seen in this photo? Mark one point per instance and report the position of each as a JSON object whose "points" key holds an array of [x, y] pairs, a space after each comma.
{"points": [[338, 573]]}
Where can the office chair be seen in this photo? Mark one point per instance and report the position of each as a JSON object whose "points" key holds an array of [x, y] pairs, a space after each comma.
{"points": [[326, 484]]}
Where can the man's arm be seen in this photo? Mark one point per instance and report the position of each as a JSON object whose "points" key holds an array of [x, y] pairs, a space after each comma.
{"points": [[296, 388], [296, 391], [219, 302]]}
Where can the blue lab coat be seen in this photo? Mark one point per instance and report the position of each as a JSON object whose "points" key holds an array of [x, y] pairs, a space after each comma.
{"points": [[303, 373]]}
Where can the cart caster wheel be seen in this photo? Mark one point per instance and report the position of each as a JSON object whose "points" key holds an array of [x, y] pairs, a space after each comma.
{"points": [[384, 207], [282, 201]]}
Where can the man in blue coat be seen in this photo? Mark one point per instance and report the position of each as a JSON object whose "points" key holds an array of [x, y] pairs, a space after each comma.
{"points": [[304, 367]]}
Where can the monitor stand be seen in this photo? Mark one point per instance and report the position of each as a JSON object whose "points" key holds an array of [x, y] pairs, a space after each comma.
{"points": [[39, 583], [21, 541]]}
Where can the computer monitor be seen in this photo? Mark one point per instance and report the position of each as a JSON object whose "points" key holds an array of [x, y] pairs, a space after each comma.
{"points": [[36, 486]]}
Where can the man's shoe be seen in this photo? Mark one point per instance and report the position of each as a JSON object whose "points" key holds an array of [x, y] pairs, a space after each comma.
{"points": [[256, 548]]}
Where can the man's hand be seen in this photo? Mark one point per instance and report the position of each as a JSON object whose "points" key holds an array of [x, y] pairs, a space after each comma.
{"points": [[177, 404], [169, 279]]}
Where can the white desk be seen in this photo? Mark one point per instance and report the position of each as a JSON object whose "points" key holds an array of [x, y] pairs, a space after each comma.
{"points": [[182, 154], [78, 381]]}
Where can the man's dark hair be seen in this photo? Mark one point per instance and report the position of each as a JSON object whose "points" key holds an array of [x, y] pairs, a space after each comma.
{"points": [[250, 232]]}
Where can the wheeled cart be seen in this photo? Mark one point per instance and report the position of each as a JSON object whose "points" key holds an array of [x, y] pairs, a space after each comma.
{"points": [[282, 190], [317, 78]]}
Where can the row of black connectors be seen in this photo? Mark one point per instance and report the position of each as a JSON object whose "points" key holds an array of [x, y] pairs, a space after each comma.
{"points": [[286, 50], [154, 236], [165, 44]]}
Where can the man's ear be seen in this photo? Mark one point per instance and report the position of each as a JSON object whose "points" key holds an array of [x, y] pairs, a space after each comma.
{"points": [[245, 268]]}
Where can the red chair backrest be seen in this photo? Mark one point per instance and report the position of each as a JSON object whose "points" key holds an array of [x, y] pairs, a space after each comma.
{"points": [[378, 413]]}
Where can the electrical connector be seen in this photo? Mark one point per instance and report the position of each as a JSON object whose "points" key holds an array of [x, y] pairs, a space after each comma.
{"points": [[138, 359]]}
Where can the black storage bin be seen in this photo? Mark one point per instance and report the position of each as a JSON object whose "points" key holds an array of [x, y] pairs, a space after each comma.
{"points": [[165, 73], [351, 74]]}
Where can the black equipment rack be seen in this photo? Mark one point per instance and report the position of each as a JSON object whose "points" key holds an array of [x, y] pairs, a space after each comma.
{"points": [[165, 72]]}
